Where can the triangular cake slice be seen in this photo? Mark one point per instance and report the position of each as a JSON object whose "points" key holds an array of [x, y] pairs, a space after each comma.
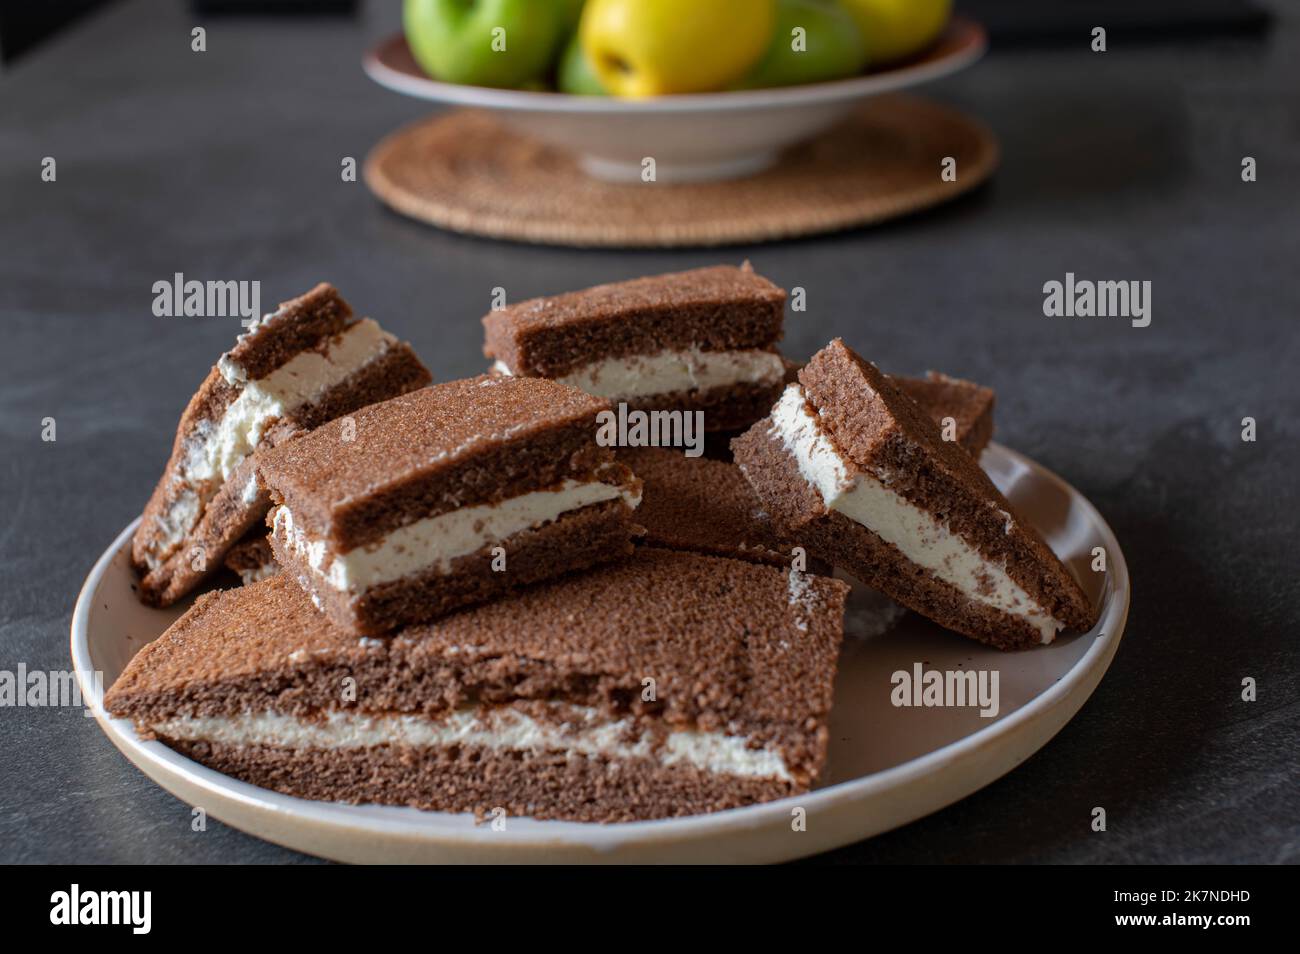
{"points": [[306, 363], [669, 684], [852, 468]]}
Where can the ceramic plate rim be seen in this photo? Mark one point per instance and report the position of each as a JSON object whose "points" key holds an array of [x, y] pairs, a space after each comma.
{"points": [[973, 42], [432, 829]]}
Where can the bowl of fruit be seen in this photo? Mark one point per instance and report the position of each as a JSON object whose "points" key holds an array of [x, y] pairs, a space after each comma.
{"points": [[671, 90]]}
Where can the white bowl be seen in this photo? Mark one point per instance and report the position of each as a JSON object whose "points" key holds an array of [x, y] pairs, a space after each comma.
{"points": [[887, 766], [692, 138]]}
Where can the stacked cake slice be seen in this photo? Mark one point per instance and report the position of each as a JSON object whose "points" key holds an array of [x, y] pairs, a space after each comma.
{"points": [[448, 496], [306, 363], [703, 340]]}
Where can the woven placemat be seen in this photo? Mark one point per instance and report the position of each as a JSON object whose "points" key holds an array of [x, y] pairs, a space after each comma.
{"points": [[465, 172]]}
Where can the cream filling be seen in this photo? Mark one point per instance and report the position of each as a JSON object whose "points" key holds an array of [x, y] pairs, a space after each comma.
{"points": [[300, 380], [256, 574], [639, 376], [250, 491], [582, 732], [173, 526], [437, 541], [223, 445], [864, 498]]}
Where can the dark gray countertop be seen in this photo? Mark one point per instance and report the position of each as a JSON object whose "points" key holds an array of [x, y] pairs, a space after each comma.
{"points": [[1117, 166]]}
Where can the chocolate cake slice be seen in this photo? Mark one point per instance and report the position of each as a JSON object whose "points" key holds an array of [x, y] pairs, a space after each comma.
{"points": [[447, 496], [853, 469], [251, 558], [667, 684], [703, 340], [306, 363]]}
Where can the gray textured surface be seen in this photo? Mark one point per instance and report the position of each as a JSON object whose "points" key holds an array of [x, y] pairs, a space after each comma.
{"points": [[1118, 166]]}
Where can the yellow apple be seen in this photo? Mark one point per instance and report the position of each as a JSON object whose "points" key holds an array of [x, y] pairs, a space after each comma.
{"points": [[643, 48], [895, 29]]}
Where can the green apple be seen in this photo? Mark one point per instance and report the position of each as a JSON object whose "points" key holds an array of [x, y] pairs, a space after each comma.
{"points": [[484, 42], [572, 12], [575, 74], [815, 41], [895, 29]]}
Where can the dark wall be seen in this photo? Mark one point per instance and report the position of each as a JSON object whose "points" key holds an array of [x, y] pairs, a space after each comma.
{"points": [[24, 24]]}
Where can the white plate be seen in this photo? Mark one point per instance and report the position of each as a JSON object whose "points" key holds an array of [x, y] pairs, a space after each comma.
{"points": [[887, 765], [693, 137]]}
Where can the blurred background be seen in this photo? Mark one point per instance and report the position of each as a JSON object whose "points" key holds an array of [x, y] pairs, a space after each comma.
{"points": [[25, 25]]}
